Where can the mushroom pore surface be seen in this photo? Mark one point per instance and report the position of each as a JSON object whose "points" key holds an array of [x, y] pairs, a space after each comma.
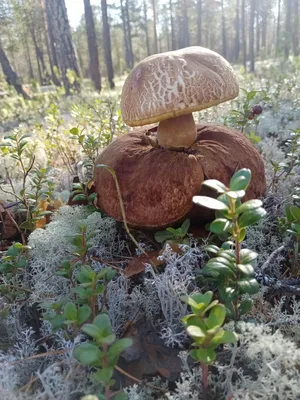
{"points": [[157, 185]]}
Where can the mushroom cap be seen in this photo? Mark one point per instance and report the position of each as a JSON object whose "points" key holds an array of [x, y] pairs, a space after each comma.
{"points": [[175, 83], [157, 185]]}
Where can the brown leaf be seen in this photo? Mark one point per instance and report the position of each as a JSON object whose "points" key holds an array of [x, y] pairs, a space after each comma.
{"points": [[138, 264]]}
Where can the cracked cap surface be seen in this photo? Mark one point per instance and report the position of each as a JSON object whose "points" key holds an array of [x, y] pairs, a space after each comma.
{"points": [[175, 83]]}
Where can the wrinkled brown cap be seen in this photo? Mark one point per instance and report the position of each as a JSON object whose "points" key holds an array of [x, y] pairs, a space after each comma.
{"points": [[157, 185], [175, 83]]}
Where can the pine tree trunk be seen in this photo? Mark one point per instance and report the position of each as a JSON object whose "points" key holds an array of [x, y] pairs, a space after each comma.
{"points": [[224, 37], [237, 32], [257, 31], [94, 69], [199, 22], [173, 36], [107, 45], [155, 47], [28, 59], [244, 36], [296, 28], [264, 30], [50, 47], [185, 25], [146, 27], [278, 41], [61, 34], [288, 28], [251, 35], [10, 75], [127, 34]]}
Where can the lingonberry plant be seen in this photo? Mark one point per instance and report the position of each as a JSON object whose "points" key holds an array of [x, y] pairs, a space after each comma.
{"points": [[230, 268]]}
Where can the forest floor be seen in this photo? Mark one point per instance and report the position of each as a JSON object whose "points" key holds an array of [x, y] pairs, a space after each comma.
{"points": [[65, 261]]}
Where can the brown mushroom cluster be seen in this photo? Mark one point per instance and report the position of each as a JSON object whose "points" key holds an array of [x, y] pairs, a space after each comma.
{"points": [[161, 167]]}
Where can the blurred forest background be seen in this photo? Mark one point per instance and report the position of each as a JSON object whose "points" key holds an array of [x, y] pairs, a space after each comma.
{"points": [[38, 45]]}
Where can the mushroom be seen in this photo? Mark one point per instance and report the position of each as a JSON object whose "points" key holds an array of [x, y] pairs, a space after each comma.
{"points": [[168, 87], [157, 183]]}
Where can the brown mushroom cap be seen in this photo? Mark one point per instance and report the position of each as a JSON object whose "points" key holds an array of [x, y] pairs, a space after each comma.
{"points": [[157, 185], [175, 83]]}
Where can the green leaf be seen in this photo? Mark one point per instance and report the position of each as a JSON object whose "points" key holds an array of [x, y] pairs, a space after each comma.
{"points": [[162, 236], [205, 298], [88, 354], [102, 321], [70, 312], [223, 337], [79, 197], [245, 306], [83, 314], [219, 225], [216, 316], [249, 205], [251, 217], [241, 235], [246, 269], [240, 180], [185, 227], [246, 256], [236, 194], [295, 211], [209, 202], [58, 321], [13, 251], [92, 330], [229, 262], [120, 345], [249, 286], [215, 269], [74, 131], [195, 331], [212, 249], [206, 356], [216, 185], [103, 375]]}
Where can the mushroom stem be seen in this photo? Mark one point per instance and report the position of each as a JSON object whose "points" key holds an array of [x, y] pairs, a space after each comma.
{"points": [[177, 133]]}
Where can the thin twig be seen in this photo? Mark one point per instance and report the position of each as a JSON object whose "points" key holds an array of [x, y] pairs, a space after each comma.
{"points": [[139, 380]]}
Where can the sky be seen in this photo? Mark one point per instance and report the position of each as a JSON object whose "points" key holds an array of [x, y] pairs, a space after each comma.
{"points": [[76, 10]]}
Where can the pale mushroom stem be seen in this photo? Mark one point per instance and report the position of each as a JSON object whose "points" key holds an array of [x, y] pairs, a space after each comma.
{"points": [[177, 133]]}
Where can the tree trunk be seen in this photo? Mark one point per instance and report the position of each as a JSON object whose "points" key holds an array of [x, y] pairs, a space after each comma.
{"points": [[237, 32], [146, 27], [251, 35], [257, 31], [28, 59], [43, 74], [244, 36], [107, 45], [199, 22], [224, 38], [10, 75], [61, 34], [278, 30], [94, 69], [296, 28], [155, 47], [185, 25], [127, 34], [264, 30], [288, 28], [50, 47], [173, 36]]}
